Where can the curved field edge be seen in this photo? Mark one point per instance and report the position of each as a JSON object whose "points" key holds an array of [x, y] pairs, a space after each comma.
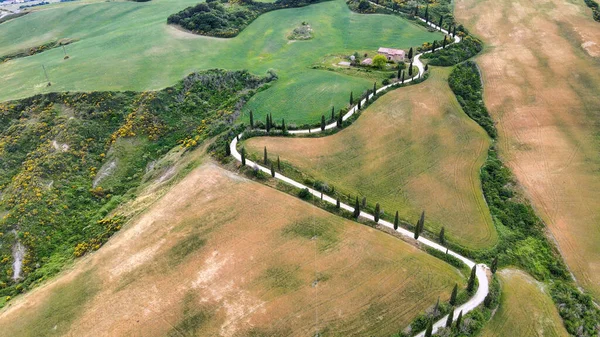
{"points": [[213, 235], [401, 146], [526, 309]]}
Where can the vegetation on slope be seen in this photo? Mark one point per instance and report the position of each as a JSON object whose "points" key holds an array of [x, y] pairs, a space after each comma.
{"points": [[214, 19], [35, 50], [523, 240], [67, 159], [468, 47]]}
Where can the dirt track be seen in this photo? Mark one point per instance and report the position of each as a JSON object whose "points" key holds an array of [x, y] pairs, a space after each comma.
{"points": [[542, 86]]}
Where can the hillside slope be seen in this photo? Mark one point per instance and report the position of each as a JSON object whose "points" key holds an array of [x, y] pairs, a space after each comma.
{"points": [[221, 255]]}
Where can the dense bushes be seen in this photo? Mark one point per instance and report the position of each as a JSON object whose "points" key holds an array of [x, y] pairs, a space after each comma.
{"points": [[595, 9], [214, 19], [578, 311], [54, 146], [455, 53], [466, 85]]}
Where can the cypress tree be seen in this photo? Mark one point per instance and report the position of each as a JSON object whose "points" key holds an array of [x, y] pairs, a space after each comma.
{"points": [[426, 67], [427, 14], [454, 31], [442, 238], [417, 10], [251, 120], [441, 21], [351, 99], [444, 42], [396, 221], [227, 150], [453, 295], [337, 203], [268, 124], [278, 164], [459, 320], [450, 317], [265, 159], [494, 265], [271, 120], [359, 105], [429, 330], [356, 208], [422, 222], [243, 156], [410, 70], [377, 210], [332, 113], [272, 170], [402, 77], [417, 232], [398, 76], [487, 301], [410, 53], [471, 283], [364, 202], [283, 127], [434, 46], [322, 122], [374, 87], [340, 120]]}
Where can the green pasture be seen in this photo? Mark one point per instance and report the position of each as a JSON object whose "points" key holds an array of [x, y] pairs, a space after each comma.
{"points": [[129, 46]]}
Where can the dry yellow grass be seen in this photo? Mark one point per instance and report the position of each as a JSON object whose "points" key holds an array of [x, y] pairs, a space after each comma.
{"points": [[414, 149], [542, 86], [221, 255], [525, 309]]}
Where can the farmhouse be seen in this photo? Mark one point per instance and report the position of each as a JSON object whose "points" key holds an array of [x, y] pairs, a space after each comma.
{"points": [[392, 54]]}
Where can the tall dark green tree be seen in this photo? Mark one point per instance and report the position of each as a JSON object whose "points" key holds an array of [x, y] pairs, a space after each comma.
{"points": [[471, 283], [410, 53], [332, 113], [396, 221], [459, 320], [268, 123], [227, 150], [283, 127], [359, 104], [402, 77], [364, 202], [417, 231], [416, 10], [427, 14], [243, 156], [266, 158], [337, 203], [340, 120], [441, 22], [434, 46], [356, 208], [272, 170], [374, 87], [453, 295], [322, 122], [278, 164], [444, 42], [426, 67], [410, 69], [351, 98], [450, 317], [442, 237], [454, 31], [494, 266], [397, 76], [422, 222], [377, 211], [251, 120], [429, 330]]}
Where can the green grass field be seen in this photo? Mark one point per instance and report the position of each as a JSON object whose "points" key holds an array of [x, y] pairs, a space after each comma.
{"points": [[414, 149], [129, 46], [525, 309]]}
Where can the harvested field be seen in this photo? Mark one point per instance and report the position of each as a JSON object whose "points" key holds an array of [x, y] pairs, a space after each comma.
{"points": [[220, 255], [541, 83], [525, 309], [414, 149]]}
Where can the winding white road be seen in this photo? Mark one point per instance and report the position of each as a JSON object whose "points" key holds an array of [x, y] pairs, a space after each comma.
{"points": [[481, 274]]}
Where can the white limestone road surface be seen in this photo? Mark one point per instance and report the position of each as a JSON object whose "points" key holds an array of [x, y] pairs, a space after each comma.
{"points": [[481, 273]]}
